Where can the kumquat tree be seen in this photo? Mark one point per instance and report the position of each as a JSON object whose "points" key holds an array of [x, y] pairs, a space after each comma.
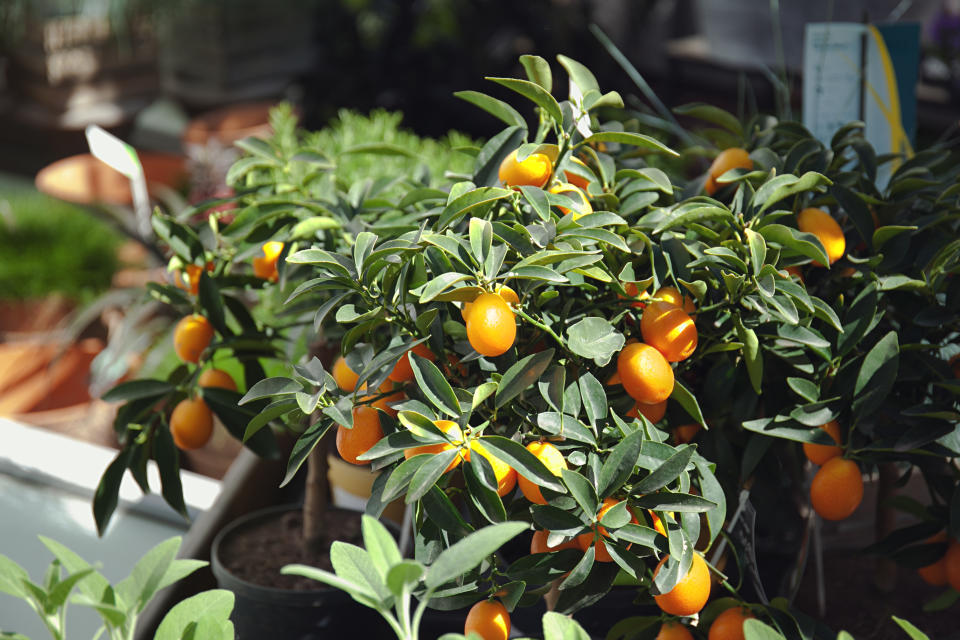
{"points": [[592, 344]]}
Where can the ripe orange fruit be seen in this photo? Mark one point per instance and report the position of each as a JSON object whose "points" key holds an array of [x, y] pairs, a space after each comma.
{"points": [[955, 365], [657, 523], [936, 574], [837, 489], [575, 179], [690, 593], [265, 268], [509, 296], [644, 373], [631, 289], [534, 171], [686, 432], [952, 562], [366, 432], [491, 325], [674, 297], [538, 543], [669, 329], [216, 378], [191, 424], [488, 619], [344, 376], [729, 624], [450, 428], [505, 474], [403, 370], [673, 630], [726, 160], [819, 223], [552, 459], [581, 206], [191, 337], [652, 412], [584, 540], [820, 453]]}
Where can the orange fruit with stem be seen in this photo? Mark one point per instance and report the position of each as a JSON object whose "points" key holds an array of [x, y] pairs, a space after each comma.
{"points": [[403, 370], [366, 432], [191, 337], [552, 459], [509, 296], [344, 376], [644, 373], [533, 171], [216, 378], [669, 329], [491, 325], [265, 267], [828, 231], [505, 474], [673, 630], [820, 453], [690, 593], [191, 424], [837, 489], [733, 158], [452, 429], [729, 624], [489, 619], [674, 297], [189, 278]]}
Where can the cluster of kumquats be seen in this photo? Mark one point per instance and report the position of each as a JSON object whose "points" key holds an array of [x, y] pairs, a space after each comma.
{"points": [[191, 421]]}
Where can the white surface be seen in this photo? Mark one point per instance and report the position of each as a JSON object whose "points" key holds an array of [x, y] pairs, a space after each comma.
{"points": [[46, 484]]}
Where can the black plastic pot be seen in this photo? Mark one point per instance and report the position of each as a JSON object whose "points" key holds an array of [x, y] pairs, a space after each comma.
{"points": [[268, 612]]}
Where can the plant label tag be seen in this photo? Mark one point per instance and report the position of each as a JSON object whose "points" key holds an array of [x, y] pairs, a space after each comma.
{"points": [[121, 157]]}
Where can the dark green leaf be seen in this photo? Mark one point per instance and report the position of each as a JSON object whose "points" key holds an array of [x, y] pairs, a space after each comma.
{"points": [[521, 376]]}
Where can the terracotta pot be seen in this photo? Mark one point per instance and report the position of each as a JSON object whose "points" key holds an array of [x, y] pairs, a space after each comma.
{"points": [[85, 180], [42, 376], [32, 316], [229, 124]]}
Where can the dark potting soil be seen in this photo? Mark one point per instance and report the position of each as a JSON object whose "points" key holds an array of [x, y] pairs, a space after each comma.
{"points": [[256, 552]]}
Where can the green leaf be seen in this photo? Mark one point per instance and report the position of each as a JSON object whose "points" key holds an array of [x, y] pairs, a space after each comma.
{"points": [[691, 213], [620, 463], [711, 114], [270, 387], [494, 107], [912, 631], [271, 412], [557, 626], [208, 295], [666, 473], [753, 629], [466, 554], [538, 71], [12, 578], [358, 591], [784, 186], [380, 544], [211, 608], [426, 476], [635, 139], [752, 355], [107, 493], [147, 575], [882, 235], [687, 400], [594, 398], [404, 576], [582, 491], [460, 206], [354, 564], [168, 463], [877, 375], [482, 488], [805, 244], [535, 93], [433, 384], [806, 389], [137, 389], [521, 376], [595, 338], [526, 464], [380, 148], [758, 250]]}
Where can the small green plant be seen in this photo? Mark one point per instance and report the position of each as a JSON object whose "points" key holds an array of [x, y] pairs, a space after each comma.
{"points": [[205, 615]]}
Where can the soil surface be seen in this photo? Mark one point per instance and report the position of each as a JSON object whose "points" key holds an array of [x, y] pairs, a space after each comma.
{"points": [[856, 605], [256, 552]]}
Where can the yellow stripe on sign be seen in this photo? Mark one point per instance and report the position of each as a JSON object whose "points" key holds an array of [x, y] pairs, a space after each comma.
{"points": [[899, 142]]}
